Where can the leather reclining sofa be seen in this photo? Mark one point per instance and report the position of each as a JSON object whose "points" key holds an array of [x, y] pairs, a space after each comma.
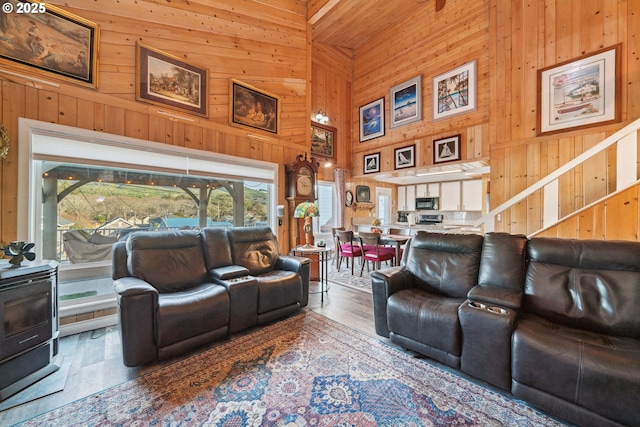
{"points": [[554, 322], [178, 290]]}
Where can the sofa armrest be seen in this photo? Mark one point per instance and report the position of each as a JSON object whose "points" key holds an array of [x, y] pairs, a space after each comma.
{"points": [[385, 283], [504, 297], [137, 305], [299, 265], [228, 272]]}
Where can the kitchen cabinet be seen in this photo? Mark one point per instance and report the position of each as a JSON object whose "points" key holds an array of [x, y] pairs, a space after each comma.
{"points": [[450, 196], [472, 195], [407, 198], [428, 190], [461, 195]]}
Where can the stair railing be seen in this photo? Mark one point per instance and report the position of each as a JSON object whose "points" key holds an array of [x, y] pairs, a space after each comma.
{"points": [[626, 175]]}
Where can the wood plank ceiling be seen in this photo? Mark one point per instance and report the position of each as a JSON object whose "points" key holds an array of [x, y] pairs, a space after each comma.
{"points": [[350, 24]]}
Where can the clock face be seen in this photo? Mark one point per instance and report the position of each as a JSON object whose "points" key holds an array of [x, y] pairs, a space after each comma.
{"points": [[304, 185], [348, 198]]}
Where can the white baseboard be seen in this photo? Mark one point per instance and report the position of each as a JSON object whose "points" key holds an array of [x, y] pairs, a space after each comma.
{"points": [[88, 325]]}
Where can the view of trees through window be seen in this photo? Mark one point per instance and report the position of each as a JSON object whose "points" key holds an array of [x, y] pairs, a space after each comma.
{"points": [[92, 214]]}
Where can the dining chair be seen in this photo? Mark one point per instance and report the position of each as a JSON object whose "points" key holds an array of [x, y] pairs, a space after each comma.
{"points": [[336, 243], [346, 248], [377, 254]]}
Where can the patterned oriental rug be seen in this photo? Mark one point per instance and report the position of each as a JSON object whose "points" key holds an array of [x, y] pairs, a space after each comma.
{"points": [[302, 371], [345, 278]]}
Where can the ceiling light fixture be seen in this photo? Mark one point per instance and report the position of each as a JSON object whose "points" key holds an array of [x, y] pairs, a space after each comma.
{"points": [[439, 172]]}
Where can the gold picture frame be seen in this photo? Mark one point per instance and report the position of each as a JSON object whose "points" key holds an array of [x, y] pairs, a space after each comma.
{"points": [[253, 108], [38, 36]]}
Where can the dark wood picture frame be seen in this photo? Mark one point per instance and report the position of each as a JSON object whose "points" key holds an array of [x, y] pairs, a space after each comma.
{"points": [[446, 149], [166, 80], [323, 141], [253, 108], [60, 43], [580, 93], [371, 163], [405, 157]]}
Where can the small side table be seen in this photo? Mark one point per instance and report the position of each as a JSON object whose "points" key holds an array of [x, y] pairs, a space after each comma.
{"points": [[323, 255]]}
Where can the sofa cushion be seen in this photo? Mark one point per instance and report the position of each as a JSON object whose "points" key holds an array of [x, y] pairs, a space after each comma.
{"points": [[426, 318], [254, 248], [170, 261], [503, 262], [278, 289], [189, 313], [446, 264], [586, 284], [217, 251], [598, 372]]}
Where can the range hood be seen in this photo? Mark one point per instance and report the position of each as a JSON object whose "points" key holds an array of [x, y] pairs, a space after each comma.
{"points": [[438, 173]]}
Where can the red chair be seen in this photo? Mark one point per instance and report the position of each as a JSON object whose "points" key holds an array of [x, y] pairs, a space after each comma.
{"points": [[377, 254], [336, 243], [346, 248]]}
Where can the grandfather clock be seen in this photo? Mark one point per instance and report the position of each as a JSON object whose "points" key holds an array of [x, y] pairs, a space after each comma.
{"points": [[301, 187]]}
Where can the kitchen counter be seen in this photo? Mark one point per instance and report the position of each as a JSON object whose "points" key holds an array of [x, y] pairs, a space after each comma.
{"points": [[432, 228]]}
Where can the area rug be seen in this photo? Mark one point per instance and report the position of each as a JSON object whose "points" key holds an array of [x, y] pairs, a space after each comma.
{"points": [[345, 278], [302, 371]]}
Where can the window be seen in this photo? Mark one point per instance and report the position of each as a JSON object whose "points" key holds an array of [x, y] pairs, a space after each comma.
{"points": [[327, 208], [80, 191]]}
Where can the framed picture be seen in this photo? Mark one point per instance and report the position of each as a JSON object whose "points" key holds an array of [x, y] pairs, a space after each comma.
{"points": [[166, 80], [372, 163], [372, 120], [406, 103], [405, 157], [454, 92], [323, 140], [363, 194], [253, 108], [446, 149], [580, 93], [47, 38]]}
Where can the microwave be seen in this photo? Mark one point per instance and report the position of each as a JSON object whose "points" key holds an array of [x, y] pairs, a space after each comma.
{"points": [[427, 203]]}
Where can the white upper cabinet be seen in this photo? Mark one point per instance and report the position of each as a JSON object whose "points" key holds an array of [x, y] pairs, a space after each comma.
{"points": [[472, 195], [450, 196]]}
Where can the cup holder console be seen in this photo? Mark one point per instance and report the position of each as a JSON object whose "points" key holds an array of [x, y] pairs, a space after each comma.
{"points": [[489, 308]]}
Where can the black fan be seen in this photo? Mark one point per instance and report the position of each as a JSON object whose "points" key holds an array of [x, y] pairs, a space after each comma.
{"points": [[18, 251]]}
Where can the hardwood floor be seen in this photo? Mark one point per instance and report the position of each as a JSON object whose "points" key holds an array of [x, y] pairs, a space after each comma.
{"points": [[97, 360]]}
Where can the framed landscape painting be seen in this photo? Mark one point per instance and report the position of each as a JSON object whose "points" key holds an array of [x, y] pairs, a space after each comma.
{"points": [[454, 92], [446, 149], [372, 163], [579, 93], [406, 103], [405, 157], [38, 36], [372, 120], [163, 79], [253, 108], [323, 140]]}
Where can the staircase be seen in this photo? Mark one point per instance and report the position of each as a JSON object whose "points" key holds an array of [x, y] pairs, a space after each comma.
{"points": [[625, 144]]}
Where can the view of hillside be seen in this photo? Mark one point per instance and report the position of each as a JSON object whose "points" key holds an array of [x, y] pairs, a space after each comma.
{"points": [[95, 204]]}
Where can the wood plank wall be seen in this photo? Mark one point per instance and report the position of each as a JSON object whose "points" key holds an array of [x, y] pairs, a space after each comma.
{"points": [[528, 36], [262, 44], [511, 40], [428, 44]]}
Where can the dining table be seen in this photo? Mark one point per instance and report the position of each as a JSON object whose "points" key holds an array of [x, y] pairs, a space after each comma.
{"points": [[395, 240]]}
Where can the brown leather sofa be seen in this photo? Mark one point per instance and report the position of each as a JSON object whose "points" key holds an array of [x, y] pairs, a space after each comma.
{"points": [[555, 322], [178, 290]]}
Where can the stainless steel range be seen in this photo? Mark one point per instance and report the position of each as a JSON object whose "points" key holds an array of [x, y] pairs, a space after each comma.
{"points": [[429, 219]]}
